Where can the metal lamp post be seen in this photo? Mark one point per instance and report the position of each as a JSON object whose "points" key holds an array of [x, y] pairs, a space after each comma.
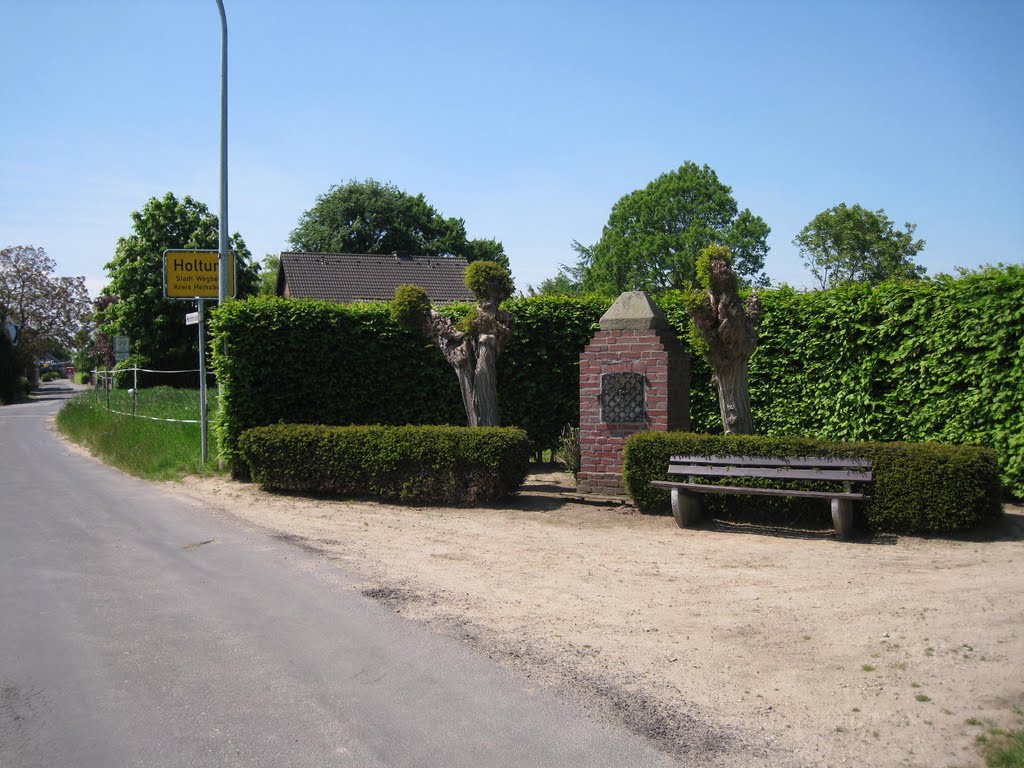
{"points": [[223, 233]]}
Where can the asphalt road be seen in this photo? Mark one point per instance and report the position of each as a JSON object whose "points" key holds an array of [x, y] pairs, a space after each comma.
{"points": [[136, 630]]}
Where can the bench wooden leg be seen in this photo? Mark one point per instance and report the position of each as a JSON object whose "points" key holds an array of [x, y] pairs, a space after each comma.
{"points": [[685, 508], [842, 518]]}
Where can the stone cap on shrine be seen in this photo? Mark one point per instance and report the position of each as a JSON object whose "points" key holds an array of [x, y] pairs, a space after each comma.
{"points": [[634, 311]]}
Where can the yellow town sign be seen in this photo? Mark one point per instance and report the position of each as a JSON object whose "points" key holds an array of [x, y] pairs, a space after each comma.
{"points": [[195, 274]]}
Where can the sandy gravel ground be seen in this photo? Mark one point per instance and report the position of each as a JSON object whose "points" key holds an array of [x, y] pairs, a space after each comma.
{"points": [[727, 645]]}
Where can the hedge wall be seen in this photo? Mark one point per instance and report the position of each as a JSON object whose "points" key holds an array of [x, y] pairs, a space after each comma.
{"points": [[539, 371], [320, 362], [916, 487], [938, 360], [933, 360], [420, 464]]}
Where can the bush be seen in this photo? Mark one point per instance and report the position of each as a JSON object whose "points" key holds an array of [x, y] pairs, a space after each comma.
{"points": [[916, 488], [435, 465], [124, 376], [569, 449]]}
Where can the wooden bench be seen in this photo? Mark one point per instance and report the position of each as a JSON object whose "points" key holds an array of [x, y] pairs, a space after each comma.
{"points": [[686, 505]]}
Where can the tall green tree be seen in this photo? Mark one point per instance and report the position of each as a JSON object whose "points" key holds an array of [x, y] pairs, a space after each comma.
{"points": [[268, 274], [850, 244], [655, 235], [155, 325], [370, 217], [565, 283], [49, 309]]}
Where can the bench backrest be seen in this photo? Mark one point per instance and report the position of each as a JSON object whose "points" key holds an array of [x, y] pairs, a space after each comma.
{"points": [[782, 468]]}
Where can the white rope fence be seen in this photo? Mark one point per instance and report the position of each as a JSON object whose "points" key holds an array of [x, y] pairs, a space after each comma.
{"points": [[105, 380]]}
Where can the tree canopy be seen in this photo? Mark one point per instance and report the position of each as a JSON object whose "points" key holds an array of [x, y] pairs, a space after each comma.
{"points": [[850, 244], [268, 274], [49, 309], [370, 217], [655, 235], [155, 325]]}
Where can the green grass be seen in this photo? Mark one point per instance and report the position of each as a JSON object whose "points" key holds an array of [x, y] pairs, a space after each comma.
{"points": [[1003, 749], [155, 450]]}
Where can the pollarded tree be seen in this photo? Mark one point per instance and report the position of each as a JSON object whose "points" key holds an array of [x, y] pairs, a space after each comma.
{"points": [[850, 244], [370, 217], [728, 326], [655, 235], [156, 325], [471, 347]]}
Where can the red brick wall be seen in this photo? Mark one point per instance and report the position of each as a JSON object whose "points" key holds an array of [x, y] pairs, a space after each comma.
{"points": [[659, 358]]}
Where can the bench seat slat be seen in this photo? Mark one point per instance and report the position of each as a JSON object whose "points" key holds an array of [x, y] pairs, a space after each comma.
{"points": [[758, 461], [782, 473], [705, 488]]}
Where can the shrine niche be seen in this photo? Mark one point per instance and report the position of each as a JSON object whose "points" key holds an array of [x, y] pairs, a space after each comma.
{"points": [[622, 398]]}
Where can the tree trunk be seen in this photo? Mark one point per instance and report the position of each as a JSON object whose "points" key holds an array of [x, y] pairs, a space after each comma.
{"points": [[464, 372], [734, 397], [474, 356], [486, 382]]}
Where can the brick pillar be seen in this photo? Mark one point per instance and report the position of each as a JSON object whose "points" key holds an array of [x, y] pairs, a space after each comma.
{"points": [[634, 376]]}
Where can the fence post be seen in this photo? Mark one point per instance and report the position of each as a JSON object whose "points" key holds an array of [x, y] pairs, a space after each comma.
{"points": [[204, 423], [135, 390]]}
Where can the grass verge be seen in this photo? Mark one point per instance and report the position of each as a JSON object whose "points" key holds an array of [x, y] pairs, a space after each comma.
{"points": [[154, 450], [1002, 749]]}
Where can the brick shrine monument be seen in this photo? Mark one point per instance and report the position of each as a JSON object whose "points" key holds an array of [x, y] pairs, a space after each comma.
{"points": [[634, 376]]}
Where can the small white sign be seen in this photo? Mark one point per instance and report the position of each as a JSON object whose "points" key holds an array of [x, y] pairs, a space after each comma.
{"points": [[192, 318], [122, 347], [13, 331]]}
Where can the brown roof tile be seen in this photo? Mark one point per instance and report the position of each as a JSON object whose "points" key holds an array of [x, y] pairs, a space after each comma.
{"points": [[348, 277]]}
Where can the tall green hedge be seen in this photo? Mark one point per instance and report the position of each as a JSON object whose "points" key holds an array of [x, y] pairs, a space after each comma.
{"points": [[310, 362], [539, 371], [933, 360], [279, 360]]}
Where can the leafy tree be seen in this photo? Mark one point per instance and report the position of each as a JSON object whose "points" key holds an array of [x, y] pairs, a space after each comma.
{"points": [[268, 274], [156, 325], [49, 309], [565, 283], [473, 346], [370, 217], [850, 244], [727, 328], [654, 235]]}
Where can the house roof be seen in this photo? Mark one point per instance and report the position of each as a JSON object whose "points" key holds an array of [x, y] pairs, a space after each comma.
{"points": [[348, 277]]}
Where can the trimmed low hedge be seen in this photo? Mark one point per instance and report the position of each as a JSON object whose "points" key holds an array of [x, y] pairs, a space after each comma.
{"points": [[916, 488], [420, 464]]}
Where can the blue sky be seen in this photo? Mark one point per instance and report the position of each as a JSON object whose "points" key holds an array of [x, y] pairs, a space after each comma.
{"points": [[527, 119]]}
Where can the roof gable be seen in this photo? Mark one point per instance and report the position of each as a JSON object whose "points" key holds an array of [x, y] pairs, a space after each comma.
{"points": [[349, 277]]}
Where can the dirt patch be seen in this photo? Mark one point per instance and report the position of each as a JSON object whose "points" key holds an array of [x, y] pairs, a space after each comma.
{"points": [[740, 645]]}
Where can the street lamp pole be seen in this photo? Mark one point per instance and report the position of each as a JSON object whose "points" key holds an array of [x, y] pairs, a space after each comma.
{"points": [[224, 281]]}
